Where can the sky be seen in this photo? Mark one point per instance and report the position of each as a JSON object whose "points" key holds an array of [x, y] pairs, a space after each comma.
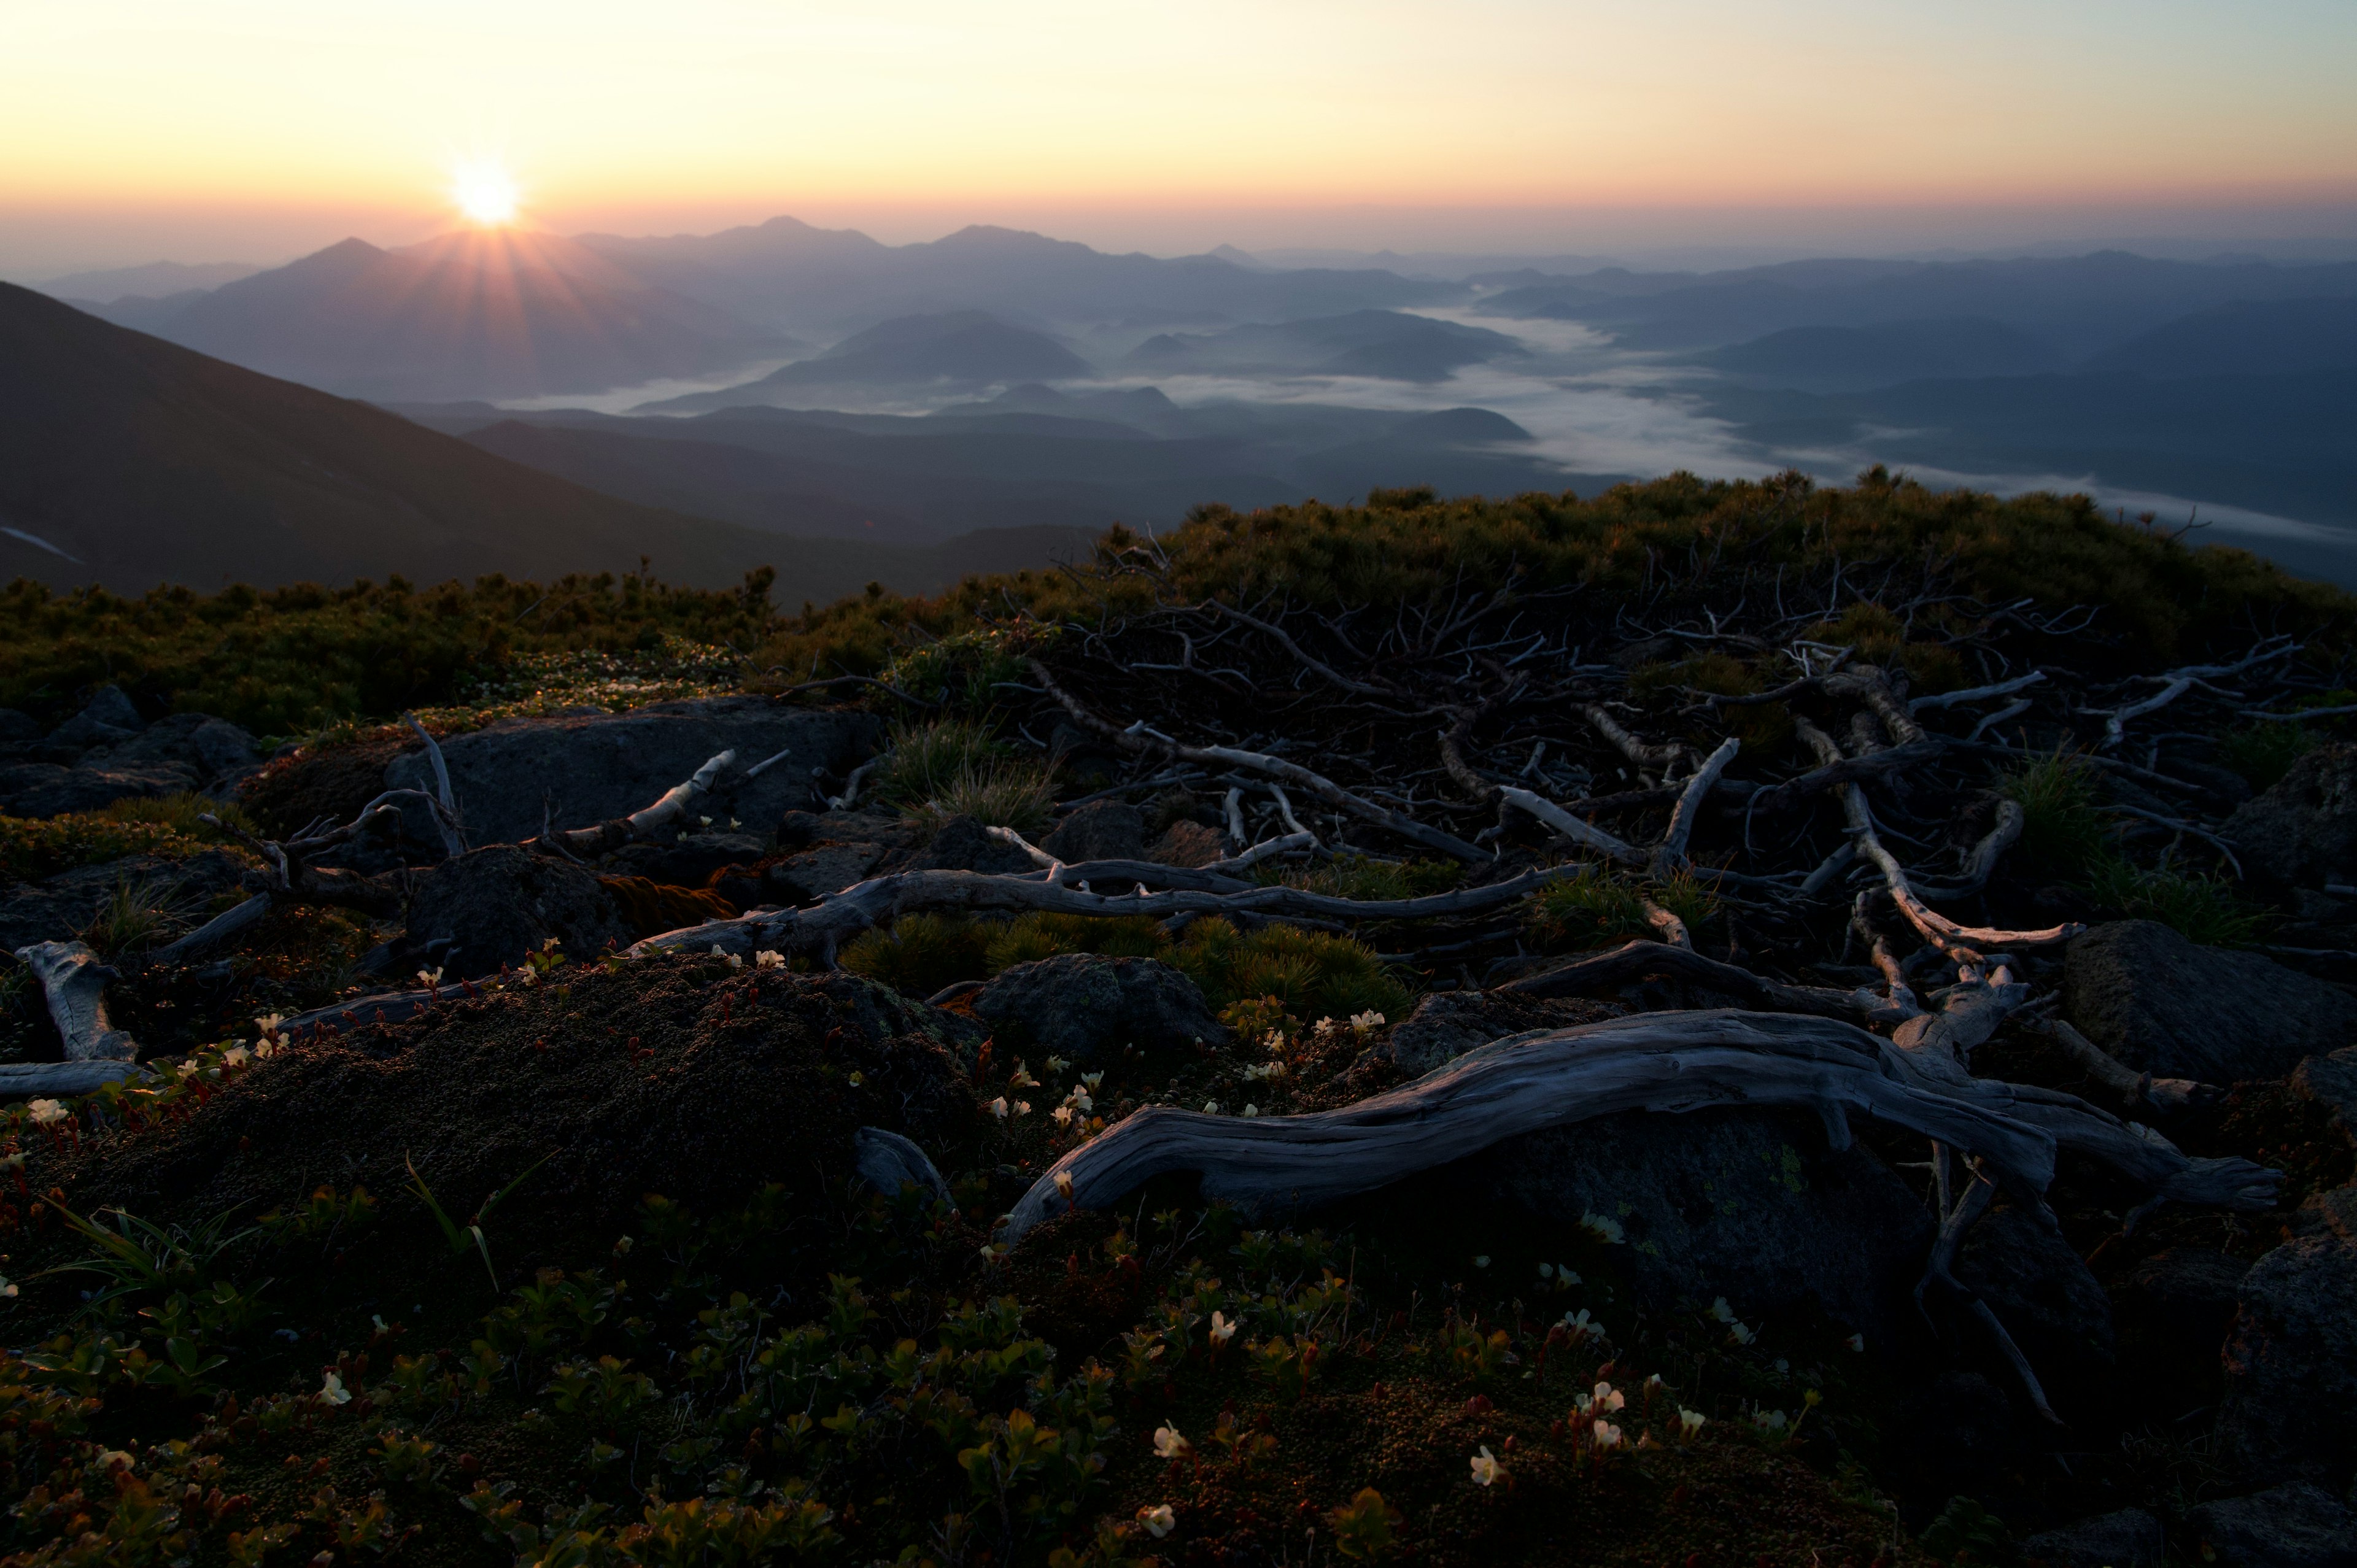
{"points": [[212, 130]]}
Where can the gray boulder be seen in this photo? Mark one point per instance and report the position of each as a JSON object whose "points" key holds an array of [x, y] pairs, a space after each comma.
{"points": [[215, 750], [2293, 1526], [19, 728], [109, 718], [44, 789], [1102, 830], [2303, 831], [1083, 1006], [2189, 1292], [1447, 1024], [2034, 1281], [821, 869], [492, 906], [595, 766], [690, 862], [1747, 1204], [2290, 1408], [58, 907], [2332, 1081], [2128, 1539], [965, 845], [1186, 843], [2164, 1005]]}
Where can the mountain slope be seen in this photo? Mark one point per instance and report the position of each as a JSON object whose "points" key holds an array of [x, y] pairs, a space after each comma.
{"points": [[2271, 336], [130, 462], [476, 315], [1840, 359]]}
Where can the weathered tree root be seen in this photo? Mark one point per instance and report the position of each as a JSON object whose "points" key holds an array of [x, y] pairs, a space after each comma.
{"points": [[1662, 1061], [1644, 959], [840, 917], [74, 982], [1137, 738]]}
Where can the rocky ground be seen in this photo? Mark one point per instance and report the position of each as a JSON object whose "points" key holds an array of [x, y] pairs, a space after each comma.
{"points": [[582, 1154]]}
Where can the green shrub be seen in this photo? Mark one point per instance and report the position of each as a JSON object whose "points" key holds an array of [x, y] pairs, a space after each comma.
{"points": [[136, 913], [1587, 911], [1034, 937], [1603, 908], [925, 759], [2264, 753], [182, 813], [1315, 974], [1005, 795], [2062, 826], [922, 954], [30, 850], [2203, 908], [1365, 878]]}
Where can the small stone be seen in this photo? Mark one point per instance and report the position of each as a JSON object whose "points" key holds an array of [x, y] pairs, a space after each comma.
{"points": [[1102, 830]]}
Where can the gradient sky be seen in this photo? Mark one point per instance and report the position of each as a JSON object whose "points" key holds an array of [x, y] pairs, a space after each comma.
{"points": [[214, 129]]}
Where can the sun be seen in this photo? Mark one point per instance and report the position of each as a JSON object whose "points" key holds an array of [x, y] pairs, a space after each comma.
{"points": [[485, 192]]}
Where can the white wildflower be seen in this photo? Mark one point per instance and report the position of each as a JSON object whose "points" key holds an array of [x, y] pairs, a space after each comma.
{"points": [[1168, 1443], [1158, 1521], [45, 1112], [997, 1108], [1602, 1229], [1607, 1434], [767, 959], [1223, 1328], [1690, 1420], [1486, 1468], [332, 1389]]}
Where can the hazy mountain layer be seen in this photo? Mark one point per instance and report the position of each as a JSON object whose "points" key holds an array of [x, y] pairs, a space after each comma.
{"points": [[129, 461]]}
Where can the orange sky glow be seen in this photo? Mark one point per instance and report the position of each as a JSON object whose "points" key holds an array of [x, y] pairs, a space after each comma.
{"points": [[128, 121]]}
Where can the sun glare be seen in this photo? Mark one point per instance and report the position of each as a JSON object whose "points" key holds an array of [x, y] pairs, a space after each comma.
{"points": [[484, 192]]}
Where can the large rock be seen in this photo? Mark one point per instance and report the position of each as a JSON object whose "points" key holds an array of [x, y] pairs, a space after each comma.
{"points": [[2128, 1539], [2295, 1526], [594, 767], [821, 869], [109, 718], [58, 909], [2167, 1007], [1186, 843], [2332, 1081], [19, 728], [2303, 831], [1104, 829], [215, 750], [690, 862], [965, 845], [2035, 1283], [45, 790], [492, 906], [1747, 1204], [2190, 1293], [1084, 1006], [2290, 1411], [1447, 1024]]}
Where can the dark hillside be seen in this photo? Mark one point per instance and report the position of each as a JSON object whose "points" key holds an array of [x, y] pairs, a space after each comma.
{"points": [[128, 461]]}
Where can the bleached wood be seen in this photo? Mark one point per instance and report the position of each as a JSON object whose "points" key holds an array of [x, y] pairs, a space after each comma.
{"points": [[1664, 1062], [73, 980]]}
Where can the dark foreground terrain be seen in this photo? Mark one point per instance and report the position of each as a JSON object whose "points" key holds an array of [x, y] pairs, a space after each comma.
{"points": [[1716, 1024]]}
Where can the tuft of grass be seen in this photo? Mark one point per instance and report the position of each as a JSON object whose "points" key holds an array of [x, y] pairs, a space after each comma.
{"points": [[922, 954], [2062, 826], [182, 813], [2200, 908], [1312, 974], [1365, 878], [2264, 753], [1602, 909], [1008, 795], [133, 914], [928, 759], [1034, 937]]}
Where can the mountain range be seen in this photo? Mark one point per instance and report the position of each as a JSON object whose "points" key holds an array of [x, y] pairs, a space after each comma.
{"points": [[478, 313]]}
